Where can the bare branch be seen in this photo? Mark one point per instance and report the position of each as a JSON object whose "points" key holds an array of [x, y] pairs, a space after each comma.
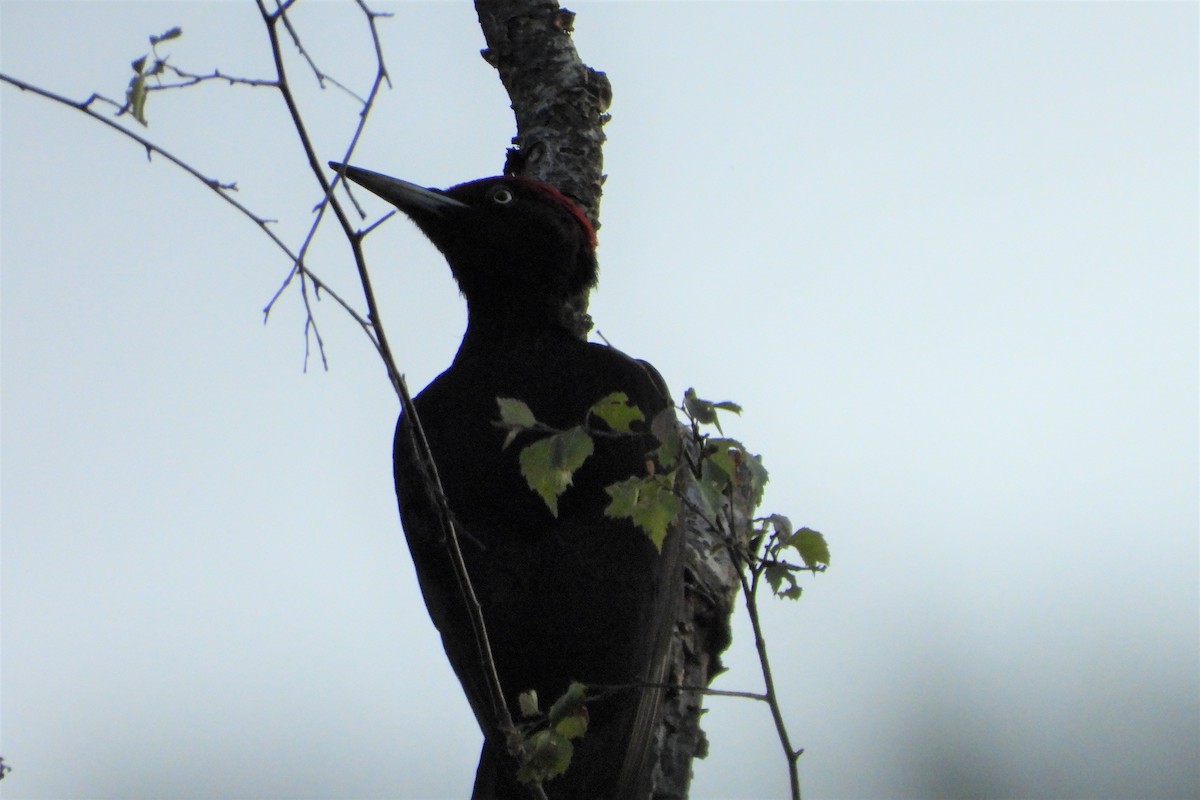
{"points": [[604, 689], [750, 595], [502, 716], [223, 189], [191, 79]]}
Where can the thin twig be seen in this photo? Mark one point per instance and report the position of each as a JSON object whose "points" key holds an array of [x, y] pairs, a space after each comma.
{"points": [[502, 715], [607, 689], [191, 79], [321, 76], [749, 592], [381, 76], [725, 525], [221, 188]]}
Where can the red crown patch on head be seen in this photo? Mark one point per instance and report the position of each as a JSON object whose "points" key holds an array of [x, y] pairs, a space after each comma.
{"points": [[571, 205]]}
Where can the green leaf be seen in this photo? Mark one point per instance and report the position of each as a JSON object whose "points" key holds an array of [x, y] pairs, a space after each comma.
{"points": [[758, 477], [569, 715], [712, 493], [782, 525], [726, 462], [135, 95], [700, 410], [514, 415], [724, 455], [649, 501], [811, 546], [705, 411], [173, 33], [574, 726], [528, 702], [714, 483], [571, 701], [665, 428], [617, 412], [549, 464], [547, 755], [776, 574], [624, 496]]}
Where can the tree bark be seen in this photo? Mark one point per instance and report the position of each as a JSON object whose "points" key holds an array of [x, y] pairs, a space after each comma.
{"points": [[561, 105]]}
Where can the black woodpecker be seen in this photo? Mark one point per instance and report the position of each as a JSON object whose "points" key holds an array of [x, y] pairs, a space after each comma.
{"points": [[575, 597]]}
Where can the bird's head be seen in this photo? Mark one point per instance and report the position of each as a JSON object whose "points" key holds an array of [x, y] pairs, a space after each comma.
{"points": [[518, 248]]}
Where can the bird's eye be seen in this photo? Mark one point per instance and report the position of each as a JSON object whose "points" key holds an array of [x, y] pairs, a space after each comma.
{"points": [[502, 196]]}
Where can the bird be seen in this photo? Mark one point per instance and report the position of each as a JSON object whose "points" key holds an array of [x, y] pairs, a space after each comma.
{"points": [[572, 596]]}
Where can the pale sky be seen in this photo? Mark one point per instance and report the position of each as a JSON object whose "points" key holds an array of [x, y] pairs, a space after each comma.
{"points": [[945, 255]]}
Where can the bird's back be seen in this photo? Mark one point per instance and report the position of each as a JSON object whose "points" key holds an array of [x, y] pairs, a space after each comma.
{"points": [[577, 597]]}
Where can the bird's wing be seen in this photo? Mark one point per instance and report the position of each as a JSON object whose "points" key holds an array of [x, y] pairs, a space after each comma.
{"points": [[637, 768]]}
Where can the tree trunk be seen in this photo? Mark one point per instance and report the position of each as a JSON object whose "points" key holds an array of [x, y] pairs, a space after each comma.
{"points": [[560, 106]]}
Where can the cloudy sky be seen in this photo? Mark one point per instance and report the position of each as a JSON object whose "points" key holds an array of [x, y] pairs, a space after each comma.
{"points": [[944, 254]]}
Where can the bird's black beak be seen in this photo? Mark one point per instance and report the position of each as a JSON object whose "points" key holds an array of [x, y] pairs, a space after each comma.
{"points": [[408, 197]]}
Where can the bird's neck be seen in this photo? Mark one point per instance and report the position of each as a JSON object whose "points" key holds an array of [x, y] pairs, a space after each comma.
{"points": [[491, 326], [521, 317]]}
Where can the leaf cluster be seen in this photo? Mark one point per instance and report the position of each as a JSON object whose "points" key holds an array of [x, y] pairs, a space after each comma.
{"points": [[549, 463], [728, 471], [714, 475], [544, 739], [777, 536], [727, 478]]}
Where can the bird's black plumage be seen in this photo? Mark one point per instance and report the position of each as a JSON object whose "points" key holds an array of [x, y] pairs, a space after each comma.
{"points": [[577, 597]]}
